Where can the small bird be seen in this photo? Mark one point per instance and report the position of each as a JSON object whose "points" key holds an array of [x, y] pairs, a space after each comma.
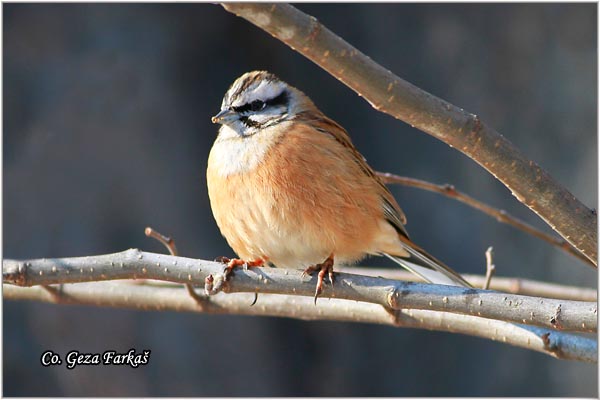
{"points": [[288, 187]]}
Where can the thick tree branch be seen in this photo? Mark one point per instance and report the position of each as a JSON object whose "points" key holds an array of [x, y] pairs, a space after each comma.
{"points": [[145, 297], [386, 92], [567, 315], [499, 215]]}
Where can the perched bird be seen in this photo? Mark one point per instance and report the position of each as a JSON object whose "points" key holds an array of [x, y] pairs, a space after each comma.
{"points": [[288, 187]]}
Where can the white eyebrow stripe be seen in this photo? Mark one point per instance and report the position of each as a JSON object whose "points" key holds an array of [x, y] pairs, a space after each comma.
{"points": [[266, 90]]}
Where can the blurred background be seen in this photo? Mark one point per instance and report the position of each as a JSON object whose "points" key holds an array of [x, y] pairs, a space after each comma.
{"points": [[107, 130]]}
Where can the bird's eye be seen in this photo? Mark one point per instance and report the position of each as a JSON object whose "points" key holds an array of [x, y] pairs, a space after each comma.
{"points": [[257, 105]]}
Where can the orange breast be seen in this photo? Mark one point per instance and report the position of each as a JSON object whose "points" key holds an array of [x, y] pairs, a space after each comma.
{"points": [[306, 198]]}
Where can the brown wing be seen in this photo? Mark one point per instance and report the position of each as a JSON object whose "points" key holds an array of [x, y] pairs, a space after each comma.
{"points": [[392, 211]]}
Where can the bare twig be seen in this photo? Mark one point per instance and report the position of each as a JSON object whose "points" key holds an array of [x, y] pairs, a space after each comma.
{"points": [[490, 267], [464, 131], [508, 285], [133, 264], [142, 297], [169, 243], [499, 215]]}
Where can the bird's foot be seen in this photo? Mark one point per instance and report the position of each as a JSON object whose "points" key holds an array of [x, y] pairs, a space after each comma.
{"points": [[231, 263], [326, 267], [214, 284]]}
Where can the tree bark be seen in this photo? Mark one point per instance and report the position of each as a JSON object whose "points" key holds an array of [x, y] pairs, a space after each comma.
{"points": [[568, 315]]}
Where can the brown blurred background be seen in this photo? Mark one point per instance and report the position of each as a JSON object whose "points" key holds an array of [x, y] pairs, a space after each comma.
{"points": [[107, 130]]}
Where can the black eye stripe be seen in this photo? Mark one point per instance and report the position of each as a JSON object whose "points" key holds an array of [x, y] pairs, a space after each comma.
{"points": [[258, 105], [280, 100]]}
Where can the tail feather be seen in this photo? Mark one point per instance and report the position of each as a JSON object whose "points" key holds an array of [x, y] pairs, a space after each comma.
{"points": [[428, 267]]}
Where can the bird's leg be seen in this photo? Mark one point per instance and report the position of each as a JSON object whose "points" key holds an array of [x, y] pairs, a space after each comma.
{"points": [[326, 267]]}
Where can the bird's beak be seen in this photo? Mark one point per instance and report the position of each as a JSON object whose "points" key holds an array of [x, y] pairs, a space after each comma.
{"points": [[225, 116]]}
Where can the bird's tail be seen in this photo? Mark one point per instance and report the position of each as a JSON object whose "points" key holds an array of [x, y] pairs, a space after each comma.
{"points": [[427, 267]]}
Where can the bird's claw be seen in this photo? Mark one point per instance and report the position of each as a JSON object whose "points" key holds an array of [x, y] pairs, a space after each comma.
{"points": [[326, 267]]}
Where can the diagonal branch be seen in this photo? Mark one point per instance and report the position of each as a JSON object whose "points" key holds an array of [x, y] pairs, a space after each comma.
{"points": [[576, 316], [499, 215], [145, 297], [464, 131]]}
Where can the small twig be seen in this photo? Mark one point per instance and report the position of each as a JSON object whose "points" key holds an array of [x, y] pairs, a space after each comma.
{"points": [[199, 299], [490, 268], [214, 283], [169, 243], [500, 215], [147, 297]]}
